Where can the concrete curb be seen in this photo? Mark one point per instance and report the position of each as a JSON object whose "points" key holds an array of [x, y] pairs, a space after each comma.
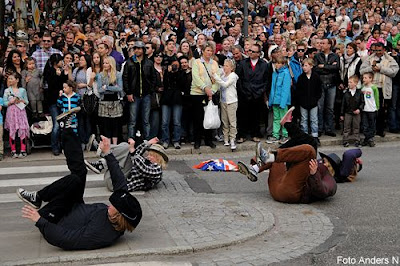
{"points": [[187, 149]]}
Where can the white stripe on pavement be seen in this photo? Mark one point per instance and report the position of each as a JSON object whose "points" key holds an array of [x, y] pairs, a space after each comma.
{"points": [[33, 169], [24, 182], [89, 193]]}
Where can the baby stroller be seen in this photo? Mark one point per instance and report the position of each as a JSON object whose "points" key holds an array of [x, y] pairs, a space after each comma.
{"points": [[40, 134]]}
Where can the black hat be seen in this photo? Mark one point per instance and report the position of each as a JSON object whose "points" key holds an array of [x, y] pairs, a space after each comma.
{"points": [[127, 205], [334, 160]]}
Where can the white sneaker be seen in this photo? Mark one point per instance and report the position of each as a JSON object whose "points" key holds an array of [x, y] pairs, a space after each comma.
{"points": [[271, 140], [226, 143], [233, 144]]}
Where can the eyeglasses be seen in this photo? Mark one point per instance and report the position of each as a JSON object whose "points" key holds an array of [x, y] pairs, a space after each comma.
{"points": [[301, 50], [46, 40], [256, 52], [158, 55], [20, 45]]}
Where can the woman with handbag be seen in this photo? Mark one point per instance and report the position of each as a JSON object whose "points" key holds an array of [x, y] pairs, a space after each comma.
{"points": [[202, 90], [80, 77], [110, 88]]}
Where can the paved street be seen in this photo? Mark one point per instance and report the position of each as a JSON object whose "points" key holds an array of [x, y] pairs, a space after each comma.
{"points": [[209, 218]]}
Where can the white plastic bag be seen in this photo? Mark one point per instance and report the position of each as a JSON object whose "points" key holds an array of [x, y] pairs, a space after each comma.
{"points": [[211, 116]]}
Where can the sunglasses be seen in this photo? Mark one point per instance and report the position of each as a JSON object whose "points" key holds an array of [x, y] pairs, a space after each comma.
{"points": [[19, 45], [301, 50], [158, 55], [256, 52], [46, 40]]}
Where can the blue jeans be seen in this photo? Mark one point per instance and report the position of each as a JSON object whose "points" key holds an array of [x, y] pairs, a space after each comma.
{"points": [[325, 109], [176, 112], [55, 132], [154, 123], [394, 112], [142, 106], [312, 116]]}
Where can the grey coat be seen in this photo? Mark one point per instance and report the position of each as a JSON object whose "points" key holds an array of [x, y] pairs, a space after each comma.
{"points": [[34, 86]]}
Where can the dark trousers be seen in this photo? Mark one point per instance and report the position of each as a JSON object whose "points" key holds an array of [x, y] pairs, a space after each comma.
{"points": [[381, 119], [248, 116], [369, 125], [64, 193], [110, 127], [198, 117]]}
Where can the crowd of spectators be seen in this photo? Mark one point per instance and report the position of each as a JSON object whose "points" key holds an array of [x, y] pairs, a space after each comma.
{"points": [[154, 65]]}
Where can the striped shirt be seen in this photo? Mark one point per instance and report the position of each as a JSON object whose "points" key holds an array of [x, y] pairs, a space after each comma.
{"points": [[41, 56], [66, 103]]}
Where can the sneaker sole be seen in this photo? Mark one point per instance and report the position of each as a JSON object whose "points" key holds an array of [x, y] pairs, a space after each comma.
{"points": [[90, 167], [290, 111], [26, 201], [90, 142], [73, 110], [244, 170]]}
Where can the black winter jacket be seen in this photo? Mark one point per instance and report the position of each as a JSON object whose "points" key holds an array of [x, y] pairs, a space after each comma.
{"points": [[352, 103], [131, 78], [252, 84], [308, 91], [329, 74]]}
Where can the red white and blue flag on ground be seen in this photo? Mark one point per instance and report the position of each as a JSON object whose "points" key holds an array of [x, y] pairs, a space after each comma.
{"points": [[217, 165]]}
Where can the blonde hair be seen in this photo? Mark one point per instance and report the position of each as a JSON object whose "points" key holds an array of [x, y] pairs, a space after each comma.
{"points": [[120, 224], [112, 75], [231, 62], [309, 61], [159, 159], [329, 166]]}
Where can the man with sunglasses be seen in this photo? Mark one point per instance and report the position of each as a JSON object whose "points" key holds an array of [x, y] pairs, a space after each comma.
{"points": [[41, 56], [251, 88], [385, 69]]}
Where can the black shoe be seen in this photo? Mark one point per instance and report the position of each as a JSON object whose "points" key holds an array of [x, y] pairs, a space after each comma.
{"points": [[56, 152], [197, 145], [318, 141], [330, 134], [381, 134], [357, 144], [371, 143], [32, 198], [394, 131], [97, 166], [319, 133], [211, 144], [346, 144]]}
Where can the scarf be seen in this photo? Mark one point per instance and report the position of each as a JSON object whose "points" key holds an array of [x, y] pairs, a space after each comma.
{"points": [[348, 60]]}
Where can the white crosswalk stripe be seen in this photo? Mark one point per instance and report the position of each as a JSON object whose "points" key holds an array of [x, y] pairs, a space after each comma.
{"points": [[14, 177]]}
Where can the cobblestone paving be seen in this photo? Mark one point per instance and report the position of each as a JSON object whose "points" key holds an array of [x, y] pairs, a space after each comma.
{"points": [[206, 221]]}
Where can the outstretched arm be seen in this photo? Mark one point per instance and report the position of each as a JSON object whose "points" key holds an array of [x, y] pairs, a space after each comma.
{"points": [[117, 177]]}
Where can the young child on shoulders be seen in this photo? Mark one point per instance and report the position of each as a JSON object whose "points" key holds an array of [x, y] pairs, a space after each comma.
{"points": [[370, 111], [32, 82], [69, 100], [280, 98], [15, 99], [229, 102], [352, 105]]}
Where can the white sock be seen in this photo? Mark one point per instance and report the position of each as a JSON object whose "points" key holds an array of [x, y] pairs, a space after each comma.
{"points": [[255, 167]]}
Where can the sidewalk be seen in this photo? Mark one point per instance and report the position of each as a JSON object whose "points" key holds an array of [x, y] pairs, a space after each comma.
{"points": [[46, 155], [176, 221]]}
